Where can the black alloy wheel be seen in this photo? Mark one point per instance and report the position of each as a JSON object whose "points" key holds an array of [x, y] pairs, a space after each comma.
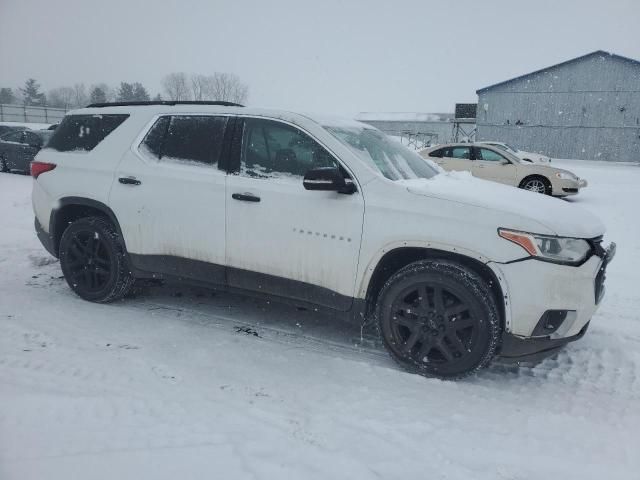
{"points": [[93, 260], [439, 320], [89, 261]]}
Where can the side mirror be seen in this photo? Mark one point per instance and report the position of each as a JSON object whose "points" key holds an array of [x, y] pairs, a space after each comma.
{"points": [[327, 179]]}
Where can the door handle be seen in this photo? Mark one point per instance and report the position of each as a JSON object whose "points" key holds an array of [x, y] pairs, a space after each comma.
{"points": [[245, 197], [129, 181]]}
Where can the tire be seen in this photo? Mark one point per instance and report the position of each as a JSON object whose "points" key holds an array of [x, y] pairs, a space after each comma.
{"points": [[94, 260], [422, 336], [537, 184]]}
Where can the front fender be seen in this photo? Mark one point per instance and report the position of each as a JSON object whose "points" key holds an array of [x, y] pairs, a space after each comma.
{"points": [[372, 263]]}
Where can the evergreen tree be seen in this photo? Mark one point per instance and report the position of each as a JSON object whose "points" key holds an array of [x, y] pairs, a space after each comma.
{"points": [[98, 95], [31, 95], [140, 93], [125, 92], [7, 96]]}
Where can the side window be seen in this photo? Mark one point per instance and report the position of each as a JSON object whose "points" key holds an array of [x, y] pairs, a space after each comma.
{"points": [[14, 137], [186, 138], [84, 132], [437, 153], [31, 139], [488, 155], [459, 152], [152, 143], [275, 150]]}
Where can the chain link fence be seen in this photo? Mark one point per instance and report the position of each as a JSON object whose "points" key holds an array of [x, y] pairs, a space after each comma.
{"points": [[26, 114]]}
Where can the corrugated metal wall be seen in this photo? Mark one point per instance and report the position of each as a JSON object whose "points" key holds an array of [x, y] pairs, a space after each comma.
{"points": [[588, 109]]}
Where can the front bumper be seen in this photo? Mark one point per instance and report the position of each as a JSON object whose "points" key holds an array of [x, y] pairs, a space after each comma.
{"points": [[570, 187], [518, 349], [534, 288]]}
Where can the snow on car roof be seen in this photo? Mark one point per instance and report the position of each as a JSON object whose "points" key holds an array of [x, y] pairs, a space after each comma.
{"points": [[155, 109]]}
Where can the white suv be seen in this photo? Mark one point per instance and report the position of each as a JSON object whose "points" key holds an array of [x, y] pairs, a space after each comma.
{"points": [[453, 270]]}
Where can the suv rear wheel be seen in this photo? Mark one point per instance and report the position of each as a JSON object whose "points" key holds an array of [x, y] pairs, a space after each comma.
{"points": [[94, 260], [439, 319]]}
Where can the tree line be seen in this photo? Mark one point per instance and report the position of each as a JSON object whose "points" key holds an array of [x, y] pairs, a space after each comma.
{"points": [[175, 86]]}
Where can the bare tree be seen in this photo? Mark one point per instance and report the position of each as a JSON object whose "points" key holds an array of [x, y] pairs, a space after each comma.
{"points": [[228, 87], [61, 97], [199, 87], [176, 86], [80, 98]]}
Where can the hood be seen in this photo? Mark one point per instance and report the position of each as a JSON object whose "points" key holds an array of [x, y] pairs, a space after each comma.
{"points": [[558, 216]]}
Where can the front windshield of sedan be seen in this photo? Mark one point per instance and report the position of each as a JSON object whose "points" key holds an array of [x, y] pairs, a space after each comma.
{"points": [[390, 158]]}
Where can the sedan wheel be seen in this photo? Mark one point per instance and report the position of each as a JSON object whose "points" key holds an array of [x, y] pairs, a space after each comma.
{"points": [[536, 185]]}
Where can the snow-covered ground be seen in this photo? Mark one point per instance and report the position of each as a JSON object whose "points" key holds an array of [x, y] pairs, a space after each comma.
{"points": [[181, 383]]}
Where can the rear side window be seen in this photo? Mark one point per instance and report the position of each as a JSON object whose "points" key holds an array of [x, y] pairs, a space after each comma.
{"points": [[84, 132], [190, 138], [437, 153], [15, 137]]}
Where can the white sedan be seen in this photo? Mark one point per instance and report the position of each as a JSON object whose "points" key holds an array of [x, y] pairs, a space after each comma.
{"points": [[521, 154]]}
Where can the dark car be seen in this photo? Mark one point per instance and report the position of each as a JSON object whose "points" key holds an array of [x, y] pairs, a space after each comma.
{"points": [[18, 147], [10, 128]]}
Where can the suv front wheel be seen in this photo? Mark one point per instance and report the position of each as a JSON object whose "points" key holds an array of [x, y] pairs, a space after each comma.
{"points": [[439, 319], [94, 260]]}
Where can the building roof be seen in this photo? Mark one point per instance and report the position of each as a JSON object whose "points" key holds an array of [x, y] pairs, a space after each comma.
{"points": [[561, 64], [403, 117]]}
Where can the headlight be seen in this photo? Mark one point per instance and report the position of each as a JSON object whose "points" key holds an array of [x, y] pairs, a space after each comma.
{"points": [[551, 249], [566, 176]]}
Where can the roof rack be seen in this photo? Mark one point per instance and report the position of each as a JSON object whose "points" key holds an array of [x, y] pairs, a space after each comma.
{"points": [[163, 102]]}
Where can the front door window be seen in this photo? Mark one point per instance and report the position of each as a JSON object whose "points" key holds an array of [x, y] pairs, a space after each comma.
{"points": [[276, 150]]}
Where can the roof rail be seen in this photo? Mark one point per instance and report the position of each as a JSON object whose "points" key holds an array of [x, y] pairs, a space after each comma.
{"points": [[163, 102]]}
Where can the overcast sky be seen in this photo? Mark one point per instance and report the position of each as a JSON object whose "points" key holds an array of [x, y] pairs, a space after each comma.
{"points": [[323, 56]]}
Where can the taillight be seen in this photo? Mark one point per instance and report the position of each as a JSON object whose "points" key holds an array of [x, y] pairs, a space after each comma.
{"points": [[41, 167]]}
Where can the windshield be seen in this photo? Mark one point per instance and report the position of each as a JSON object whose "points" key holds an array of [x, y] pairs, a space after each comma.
{"points": [[503, 146], [390, 158], [511, 147]]}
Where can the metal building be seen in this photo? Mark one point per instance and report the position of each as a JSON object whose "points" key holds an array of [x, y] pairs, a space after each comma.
{"points": [[587, 108]]}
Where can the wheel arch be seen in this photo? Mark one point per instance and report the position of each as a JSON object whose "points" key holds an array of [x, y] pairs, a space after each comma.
{"points": [[393, 259], [535, 175], [70, 209]]}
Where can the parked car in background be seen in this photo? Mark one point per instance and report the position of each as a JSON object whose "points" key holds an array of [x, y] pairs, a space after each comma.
{"points": [[18, 147], [10, 128], [453, 271], [521, 154], [493, 163]]}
